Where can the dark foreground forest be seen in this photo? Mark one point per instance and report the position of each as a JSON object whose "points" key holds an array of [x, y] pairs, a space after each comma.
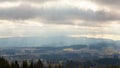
{"points": [[39, 64]]}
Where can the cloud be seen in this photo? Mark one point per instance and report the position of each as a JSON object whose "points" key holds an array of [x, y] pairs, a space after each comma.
{"points": [[53, 15], [22, 17], [40, 1], [21, 12], [109, 3], [105, 36]]}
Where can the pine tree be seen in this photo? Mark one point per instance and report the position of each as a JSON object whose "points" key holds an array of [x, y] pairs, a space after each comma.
{"points": [[49, 66], [4, 63], [31, 65], [24, 64], [39, 64], [12, 65], [16, 65]]}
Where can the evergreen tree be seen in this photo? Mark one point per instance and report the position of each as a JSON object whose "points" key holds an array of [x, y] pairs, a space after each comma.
{"points": [[49, 66], [4, 63], [24, 64], [16, 65], [58, 66], [31, 65], [39, 64], [12, 65]]}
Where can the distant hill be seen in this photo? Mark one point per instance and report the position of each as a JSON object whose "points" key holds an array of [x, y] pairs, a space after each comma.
{"points": [[53, 48], [52, 41]]}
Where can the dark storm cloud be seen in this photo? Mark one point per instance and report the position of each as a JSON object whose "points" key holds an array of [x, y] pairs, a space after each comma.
{"points": [[56, 15]]}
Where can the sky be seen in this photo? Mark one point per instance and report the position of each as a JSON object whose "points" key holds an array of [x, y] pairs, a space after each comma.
{"points": [[71, 18]]}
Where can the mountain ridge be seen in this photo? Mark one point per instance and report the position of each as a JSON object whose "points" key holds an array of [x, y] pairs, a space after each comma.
{"points": [[56, 41]]}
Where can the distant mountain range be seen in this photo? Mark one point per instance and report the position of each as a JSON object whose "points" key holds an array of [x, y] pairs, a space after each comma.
{"points": [[59, 47], [56, 41]]}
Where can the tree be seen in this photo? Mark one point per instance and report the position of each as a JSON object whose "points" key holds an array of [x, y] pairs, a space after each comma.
{"points": [[16, 65], [49, 66], [24, 64], [4, 63], [31, 65], [12, 65], [39, 64]]}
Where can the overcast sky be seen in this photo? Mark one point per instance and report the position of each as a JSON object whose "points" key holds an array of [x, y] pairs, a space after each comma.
{"points": [[72, 18]]}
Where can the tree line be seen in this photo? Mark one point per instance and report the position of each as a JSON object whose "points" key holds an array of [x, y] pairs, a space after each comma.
{"points": [[39, 64], [15, 64]]}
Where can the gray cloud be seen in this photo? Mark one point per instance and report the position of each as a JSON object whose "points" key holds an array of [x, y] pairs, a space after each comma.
{"points": [[40, 1], [56, 15], [22, 12], [109, 3]]}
